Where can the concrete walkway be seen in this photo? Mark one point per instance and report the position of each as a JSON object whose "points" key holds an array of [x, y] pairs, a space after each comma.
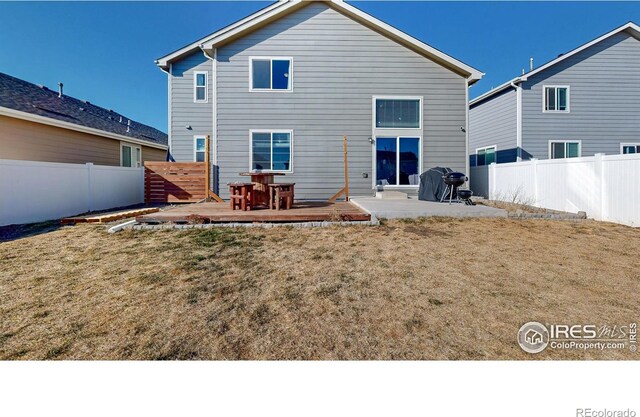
{"points": [[414, 208]]}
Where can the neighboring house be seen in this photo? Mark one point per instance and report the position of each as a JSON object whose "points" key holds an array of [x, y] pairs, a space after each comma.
{"points": [[277, 91], [38, 124], [582, 103]]}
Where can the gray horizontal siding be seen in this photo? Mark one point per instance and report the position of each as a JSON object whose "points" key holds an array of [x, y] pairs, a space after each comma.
{"points": [[184, 112], [338, 65], [604, 85], [494, 122]]}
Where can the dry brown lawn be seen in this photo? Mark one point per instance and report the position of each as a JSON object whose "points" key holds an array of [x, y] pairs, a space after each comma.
{"points": [[429, 289]]}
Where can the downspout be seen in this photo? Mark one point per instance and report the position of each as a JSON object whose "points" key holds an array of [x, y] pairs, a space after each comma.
{"points": [[214, 115], [467, 164], [169, 156], [518, 89]]}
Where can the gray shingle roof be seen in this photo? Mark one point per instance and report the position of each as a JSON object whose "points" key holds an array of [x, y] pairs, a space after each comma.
{"points": [[23, 96]]}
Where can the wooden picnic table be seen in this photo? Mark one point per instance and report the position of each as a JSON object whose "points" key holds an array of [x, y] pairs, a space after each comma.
{"points": [[261, 181]]}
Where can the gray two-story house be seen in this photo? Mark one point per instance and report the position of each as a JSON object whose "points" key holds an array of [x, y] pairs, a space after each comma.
{"points": [[278, 90], [582, 103]]}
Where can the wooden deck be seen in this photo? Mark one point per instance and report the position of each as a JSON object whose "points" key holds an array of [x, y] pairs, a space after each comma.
{"points": [[222, 213]]}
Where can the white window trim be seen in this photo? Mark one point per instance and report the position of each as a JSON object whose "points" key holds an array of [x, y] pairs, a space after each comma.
{"points": [[206, 86], [271, 131], [132, 146], [623, 144], [195, 147], [271, 58], [579, 142], [398, 137], [495, 152], [373, 109], [544, 99]]}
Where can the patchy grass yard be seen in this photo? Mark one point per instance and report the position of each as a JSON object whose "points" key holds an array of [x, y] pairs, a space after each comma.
{"points": [[430, 289]]}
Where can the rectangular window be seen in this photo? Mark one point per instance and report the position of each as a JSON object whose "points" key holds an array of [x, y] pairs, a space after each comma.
{"points": [[398, 113], [397, 161], [270, 74], [556, 99], [486, 156], [558, 150], [199, 148], [629, 148], [130, 156], [200, 90], [271, 151]]}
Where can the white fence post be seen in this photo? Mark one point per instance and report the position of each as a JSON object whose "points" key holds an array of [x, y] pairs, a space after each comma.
{"points": [[599, 174], [536, 198], [89, 166], [492, 181], [142, 184]]}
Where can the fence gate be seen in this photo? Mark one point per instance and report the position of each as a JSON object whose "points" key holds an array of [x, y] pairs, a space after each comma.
{"points": [[174, 182]]}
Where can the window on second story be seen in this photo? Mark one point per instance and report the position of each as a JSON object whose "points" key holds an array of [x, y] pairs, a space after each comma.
{"points": [[630, 148], [556, 99], [486, 156], [200, 90], [560, 149], [270, 74]]}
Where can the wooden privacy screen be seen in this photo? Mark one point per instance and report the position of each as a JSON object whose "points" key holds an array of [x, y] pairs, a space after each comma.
{"points": [[174, 182]]}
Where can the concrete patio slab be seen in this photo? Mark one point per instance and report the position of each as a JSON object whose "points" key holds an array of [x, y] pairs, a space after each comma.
{"points": [[413, 208]]}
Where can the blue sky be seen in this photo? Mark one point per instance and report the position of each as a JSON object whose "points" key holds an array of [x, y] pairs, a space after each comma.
{"points": [[104, 52]]}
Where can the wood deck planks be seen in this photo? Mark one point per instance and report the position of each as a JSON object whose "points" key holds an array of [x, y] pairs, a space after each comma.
{"points": [[222, 213]]}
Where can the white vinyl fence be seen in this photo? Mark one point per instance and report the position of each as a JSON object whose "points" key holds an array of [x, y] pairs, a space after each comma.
{"points": [[606, 187], [38, 191]]}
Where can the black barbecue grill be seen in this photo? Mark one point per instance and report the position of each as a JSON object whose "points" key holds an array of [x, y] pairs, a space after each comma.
{"points": [[453, 180], [465, 196]]}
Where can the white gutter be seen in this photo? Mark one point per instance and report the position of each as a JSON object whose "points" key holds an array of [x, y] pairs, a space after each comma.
{"points": [[276, 10], [4, 111], [164, 61]]}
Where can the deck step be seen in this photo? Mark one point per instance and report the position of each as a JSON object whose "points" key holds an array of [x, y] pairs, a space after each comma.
{"points": [[109, 216]]}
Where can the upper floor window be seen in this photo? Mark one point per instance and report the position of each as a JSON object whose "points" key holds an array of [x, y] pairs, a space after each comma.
{"points": [[398, 112], [564, 149], [270, 74], [486, 156], [271, 150], [556, 99], [200, 90], [628, 148], [130, 156], [199, 148]]}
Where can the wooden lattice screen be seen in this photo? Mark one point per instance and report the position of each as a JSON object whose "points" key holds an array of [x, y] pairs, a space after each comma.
{"points": [[174, 182]]}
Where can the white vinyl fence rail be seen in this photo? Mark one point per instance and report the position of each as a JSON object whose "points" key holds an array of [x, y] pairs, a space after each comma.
{"points": [[38, 191], [606, 187]]}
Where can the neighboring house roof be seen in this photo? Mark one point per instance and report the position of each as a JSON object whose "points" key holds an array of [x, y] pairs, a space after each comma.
{"points": [[285, 7], [24, 100], [631, 28]]}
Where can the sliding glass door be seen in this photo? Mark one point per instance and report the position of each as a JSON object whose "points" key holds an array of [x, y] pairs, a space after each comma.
{"points": [[397, 161]]}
